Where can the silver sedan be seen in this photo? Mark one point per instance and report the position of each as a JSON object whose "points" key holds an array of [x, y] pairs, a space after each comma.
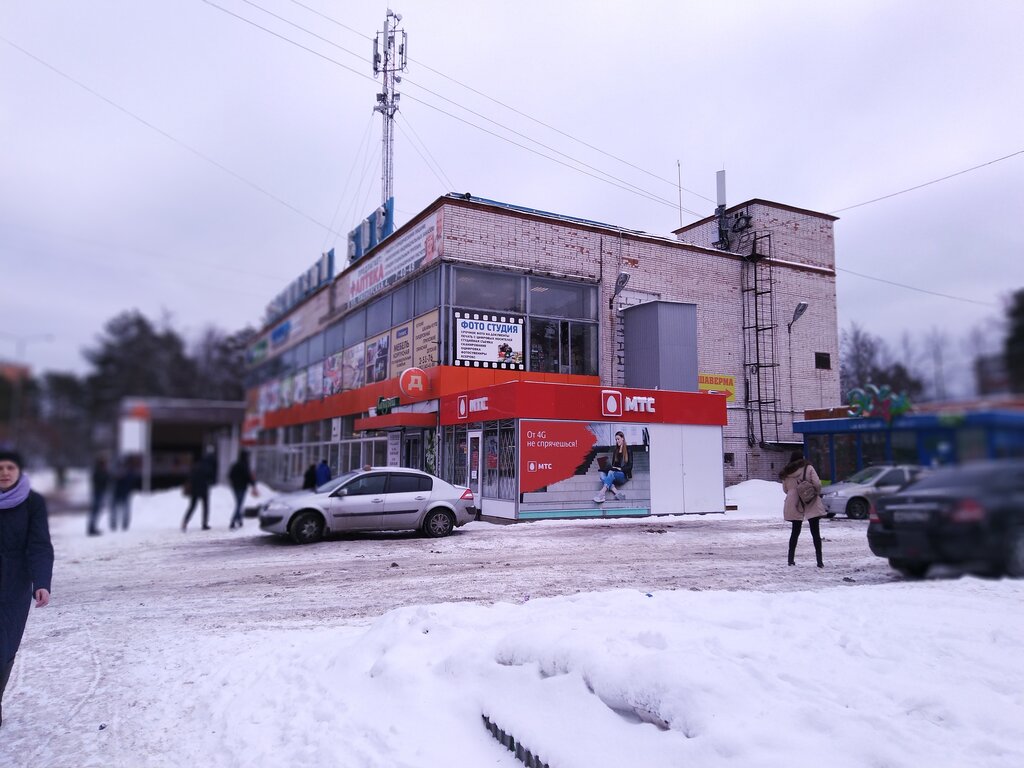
{"points": [[371, 499]]}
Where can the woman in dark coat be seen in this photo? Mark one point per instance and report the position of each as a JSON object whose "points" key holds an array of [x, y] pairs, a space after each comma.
{"points": [[795, 510], [26, 559]]}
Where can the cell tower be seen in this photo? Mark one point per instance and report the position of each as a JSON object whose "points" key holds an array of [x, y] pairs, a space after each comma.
{"points": [[389, 60]]}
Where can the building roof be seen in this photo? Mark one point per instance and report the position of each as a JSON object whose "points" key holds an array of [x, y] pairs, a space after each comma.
{"points": [[758, 201]]}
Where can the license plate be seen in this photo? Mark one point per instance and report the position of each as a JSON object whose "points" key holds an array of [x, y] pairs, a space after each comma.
{"points": [[911, 516]]}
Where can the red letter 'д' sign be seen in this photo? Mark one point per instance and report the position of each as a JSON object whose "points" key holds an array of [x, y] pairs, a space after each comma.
{"points": [[414, 382]]}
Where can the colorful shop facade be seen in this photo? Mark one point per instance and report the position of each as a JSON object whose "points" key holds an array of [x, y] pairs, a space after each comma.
{"points": [[475, 302]]}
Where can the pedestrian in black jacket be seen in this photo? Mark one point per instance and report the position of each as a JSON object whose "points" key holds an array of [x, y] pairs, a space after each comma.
{"points": [[26, 559], [198, 490], [100, 481], [241, 479]]}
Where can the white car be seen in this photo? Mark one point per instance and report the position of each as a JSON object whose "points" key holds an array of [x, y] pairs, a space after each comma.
{"points": [[853, 496], [371, 499]]}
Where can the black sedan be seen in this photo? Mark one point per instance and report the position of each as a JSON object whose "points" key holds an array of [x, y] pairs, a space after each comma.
{"points": [[967, 515]]}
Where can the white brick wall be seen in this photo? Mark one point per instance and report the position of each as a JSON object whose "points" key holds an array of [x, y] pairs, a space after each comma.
{"points": [[661, 268]]}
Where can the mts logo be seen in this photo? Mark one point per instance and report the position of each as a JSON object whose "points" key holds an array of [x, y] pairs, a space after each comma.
{"points": [[478, 404], [536, 466], [640, 404], [614, 404]]}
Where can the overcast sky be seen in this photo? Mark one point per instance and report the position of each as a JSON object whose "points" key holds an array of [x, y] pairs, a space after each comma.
{"points": [[172, 157]]}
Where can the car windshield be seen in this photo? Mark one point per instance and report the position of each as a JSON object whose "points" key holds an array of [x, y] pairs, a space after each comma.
{"points": [[959, 477], [341, 479], [865, 475]]}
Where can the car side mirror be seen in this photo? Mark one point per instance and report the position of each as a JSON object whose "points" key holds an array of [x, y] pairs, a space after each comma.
{"points": [[340, 492]]}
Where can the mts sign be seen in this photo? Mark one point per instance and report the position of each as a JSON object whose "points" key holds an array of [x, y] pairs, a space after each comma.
{"points": [[613, 403]]}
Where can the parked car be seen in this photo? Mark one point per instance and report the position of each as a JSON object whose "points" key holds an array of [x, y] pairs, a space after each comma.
{"points": [[958, 515], [371, 499], [853, 496]]}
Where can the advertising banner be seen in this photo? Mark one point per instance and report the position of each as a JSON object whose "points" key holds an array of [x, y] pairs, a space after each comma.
{"points": [[394, 260], [426, 339], [315, 381], [554, 455], [401, 347], [299, 387], [713, 382], [377, 353], [353, 366], [332, 374], [484, 340]]}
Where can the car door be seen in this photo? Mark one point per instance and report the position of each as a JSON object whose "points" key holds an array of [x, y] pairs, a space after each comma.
{"points": [[408, 493], [890, 481], [359, 504]]}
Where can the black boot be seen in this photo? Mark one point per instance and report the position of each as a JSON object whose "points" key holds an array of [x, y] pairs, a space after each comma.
{"points": [[5, 675], [817, 553]]}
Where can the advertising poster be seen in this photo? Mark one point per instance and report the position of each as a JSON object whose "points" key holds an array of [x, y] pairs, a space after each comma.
{"points": [[713, 382], [315, 381], [555, 455], [285, 392], [332, 374], [377, 354], [426, 339], [401, 348], [353, 366], [394, 449], [485, 340], [299, 388], [393, 260]]}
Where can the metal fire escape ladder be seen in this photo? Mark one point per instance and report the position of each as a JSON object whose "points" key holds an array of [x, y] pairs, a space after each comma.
{"points": [[760, 368]]}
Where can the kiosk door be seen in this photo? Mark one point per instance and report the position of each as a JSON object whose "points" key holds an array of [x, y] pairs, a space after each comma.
{"points": [[474, 466]]}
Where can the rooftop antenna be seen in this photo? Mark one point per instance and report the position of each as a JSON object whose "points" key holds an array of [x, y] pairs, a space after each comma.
{"points": [[390, 56], [723, 229]]}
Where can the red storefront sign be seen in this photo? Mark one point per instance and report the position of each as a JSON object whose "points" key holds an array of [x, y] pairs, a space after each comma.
{"points": [[569, 402], [550, 451]]}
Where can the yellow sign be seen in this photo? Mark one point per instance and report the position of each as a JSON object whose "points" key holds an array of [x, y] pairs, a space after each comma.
{"points": [[713, 382]]}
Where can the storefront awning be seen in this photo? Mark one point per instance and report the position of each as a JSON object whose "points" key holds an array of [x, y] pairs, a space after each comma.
{"points": [[396, 421]]}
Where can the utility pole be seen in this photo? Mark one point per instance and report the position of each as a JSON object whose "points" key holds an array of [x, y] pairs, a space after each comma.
{"points": [[388, 61]]}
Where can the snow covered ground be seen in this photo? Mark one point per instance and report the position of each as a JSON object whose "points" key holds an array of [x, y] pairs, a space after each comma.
{"points": [[659, 642]]}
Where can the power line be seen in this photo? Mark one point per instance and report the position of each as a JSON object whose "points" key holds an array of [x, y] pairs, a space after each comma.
{"points": [[613, 180], [500, 103], [444, 181], [929, 183], [919, 290], [168, 136]]}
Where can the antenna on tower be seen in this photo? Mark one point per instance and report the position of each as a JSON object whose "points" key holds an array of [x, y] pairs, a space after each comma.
{"points": [[390, 56]]}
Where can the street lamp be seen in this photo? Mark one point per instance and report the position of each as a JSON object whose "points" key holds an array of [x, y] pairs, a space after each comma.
{"points": [[801, 307], [20, 342]]}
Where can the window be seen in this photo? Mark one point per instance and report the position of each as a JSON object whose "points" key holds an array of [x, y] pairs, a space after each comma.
{"points": [[334, 339], [892, 477], [366, 485], [823, 361], [301, 355], [355, 328], [378, 316], [316, 347], [426, 290], [558, 298], [561, 346], [401, 304], [405, 483], [730, 459], [500, 291]]}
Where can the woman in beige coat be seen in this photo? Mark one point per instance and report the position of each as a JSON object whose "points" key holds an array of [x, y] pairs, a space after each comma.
{"points": [[795, 509]]}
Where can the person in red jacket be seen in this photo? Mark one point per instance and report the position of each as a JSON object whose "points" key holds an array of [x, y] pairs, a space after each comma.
{"points": [[26, 559]]}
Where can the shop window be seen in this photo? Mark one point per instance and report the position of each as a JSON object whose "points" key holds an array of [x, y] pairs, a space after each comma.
{"points": [[819, 456], [499, 291], [846, 455], [426, 290], [378, 316], [300, 355], [401, 304], [872, 448], [316, 348], [559, 298], [560, 346], [355, 327], [823, 361], [904, 447], [334, 339]]}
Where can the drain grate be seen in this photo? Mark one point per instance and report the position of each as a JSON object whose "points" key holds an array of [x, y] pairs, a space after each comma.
{"points": [[513, 745]]}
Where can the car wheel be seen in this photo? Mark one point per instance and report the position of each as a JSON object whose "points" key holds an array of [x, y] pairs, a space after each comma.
{"points": [[438, 523], [307, 528], [857, 509], [910, 568], [1014, 565]]}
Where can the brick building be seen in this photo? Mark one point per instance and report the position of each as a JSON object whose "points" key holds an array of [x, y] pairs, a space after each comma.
{"points": [[325, 373]]}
